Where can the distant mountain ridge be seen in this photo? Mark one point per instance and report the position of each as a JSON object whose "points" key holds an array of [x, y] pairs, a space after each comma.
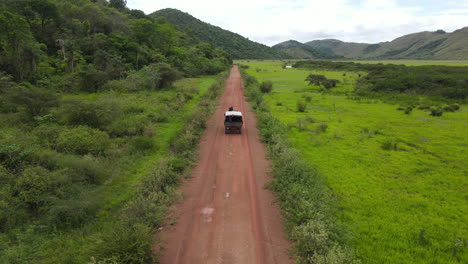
{"points": [[299, 50], [237, 46], [423, 45]]}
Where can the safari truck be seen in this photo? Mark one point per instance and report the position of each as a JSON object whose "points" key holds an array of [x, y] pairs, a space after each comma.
{"points": [[232, 121]]}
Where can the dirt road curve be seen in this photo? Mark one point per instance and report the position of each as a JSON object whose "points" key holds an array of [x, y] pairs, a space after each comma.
{"points": [[226, 215]]}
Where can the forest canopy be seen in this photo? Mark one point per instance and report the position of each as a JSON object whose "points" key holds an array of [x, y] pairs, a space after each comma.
{"points": [[42, 39]]}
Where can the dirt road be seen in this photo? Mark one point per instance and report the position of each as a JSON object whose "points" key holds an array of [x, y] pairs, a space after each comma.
{"points": [[227, 216]]}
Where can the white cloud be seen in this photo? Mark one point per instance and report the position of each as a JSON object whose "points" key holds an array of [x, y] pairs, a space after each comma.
{"points": [[274, 21]]}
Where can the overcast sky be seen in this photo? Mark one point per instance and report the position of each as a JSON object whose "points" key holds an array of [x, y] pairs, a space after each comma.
{"points": [[273, 21]]}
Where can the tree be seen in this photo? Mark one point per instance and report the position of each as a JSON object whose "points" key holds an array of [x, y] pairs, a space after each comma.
{"points": [[118, 4], [321, 80], [330, 83], [33, 186], [18, 49], [315, 79], [38, 12], [36, 101], [266, 86]]}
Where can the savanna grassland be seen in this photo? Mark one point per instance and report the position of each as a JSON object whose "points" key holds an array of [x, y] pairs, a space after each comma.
{"points": [[399, 176]]}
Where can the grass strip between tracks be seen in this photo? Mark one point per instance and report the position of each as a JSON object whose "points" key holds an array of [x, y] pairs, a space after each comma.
{"points": [[307, 204], [131, 239]]}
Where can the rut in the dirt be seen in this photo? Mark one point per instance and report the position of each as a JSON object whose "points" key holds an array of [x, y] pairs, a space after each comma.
{"points": [[227, 216]]}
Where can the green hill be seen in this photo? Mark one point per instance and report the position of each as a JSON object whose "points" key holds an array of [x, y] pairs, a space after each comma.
{"points": [[237, 46], [298, 50], [438, 45]]}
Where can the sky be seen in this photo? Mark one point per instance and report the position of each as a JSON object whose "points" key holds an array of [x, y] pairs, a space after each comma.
{"points": [[273, 21]]}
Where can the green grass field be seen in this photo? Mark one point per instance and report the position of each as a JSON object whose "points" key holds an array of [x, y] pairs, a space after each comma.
{"points": [[401, 180]]}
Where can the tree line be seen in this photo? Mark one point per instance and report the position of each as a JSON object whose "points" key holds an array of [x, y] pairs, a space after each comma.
{"points": [[432, 80]]}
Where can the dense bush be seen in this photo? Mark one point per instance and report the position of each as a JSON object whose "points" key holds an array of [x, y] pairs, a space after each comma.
{"points": [[14, 157], [82, 140], [35, 101], [128, 125], [71, 211], [435, 111], [93, 114], [127, 242], [266, 86], [81, 169], [301, 106], [141, 144], [152, 77], [91, 80]]}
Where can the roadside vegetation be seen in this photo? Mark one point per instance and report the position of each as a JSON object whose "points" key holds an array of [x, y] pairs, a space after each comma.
{"points": [[395, 171], [94, 177], [99, 117]]}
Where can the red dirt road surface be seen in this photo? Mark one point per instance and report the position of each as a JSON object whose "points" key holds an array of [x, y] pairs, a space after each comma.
{"points": [[227, 216]]}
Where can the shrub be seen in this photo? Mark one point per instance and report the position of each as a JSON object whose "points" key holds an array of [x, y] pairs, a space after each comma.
{"points": [[152, 77], [408, 110], [311, 238], [35, 101], [129, 125], [91, 80], [82, 140], [14, 157], [435, 111], [127, 242], [451, 108], [33, 186], [141, 144], [47, 135], [301, 124], [301, 106], [97, 115], [71, 211], [455, 107], [85, 168], [321, 128], [307, 97], [266, 86], [389, 144], [424, 107], [328, 84]]}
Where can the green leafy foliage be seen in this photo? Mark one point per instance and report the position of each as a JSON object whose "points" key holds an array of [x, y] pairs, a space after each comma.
{"points": [[35, 101], [266, 86], [82, 140]]}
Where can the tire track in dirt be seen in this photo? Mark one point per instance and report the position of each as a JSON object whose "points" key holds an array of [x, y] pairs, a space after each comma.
{"points": [[226, 215]]}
